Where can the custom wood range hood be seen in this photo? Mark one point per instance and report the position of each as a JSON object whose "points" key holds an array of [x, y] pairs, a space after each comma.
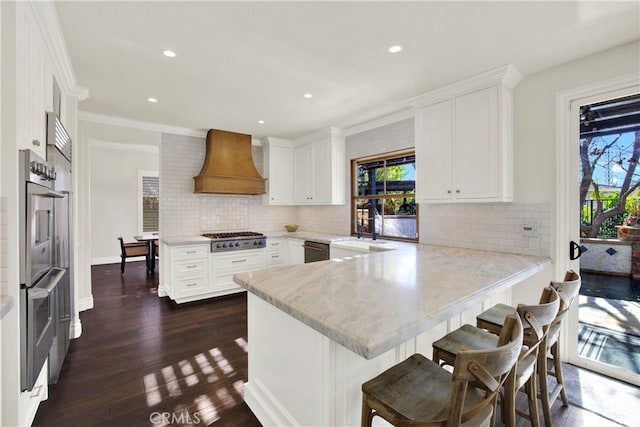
{"points": [[228, 165]]}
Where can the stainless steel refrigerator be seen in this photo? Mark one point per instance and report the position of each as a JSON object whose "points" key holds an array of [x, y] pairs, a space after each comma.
{"points": [[59, 155]]}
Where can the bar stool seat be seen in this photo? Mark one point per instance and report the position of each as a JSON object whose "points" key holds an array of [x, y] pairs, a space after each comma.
{"points": [[419, 392], [493, 318], [537, 319]]}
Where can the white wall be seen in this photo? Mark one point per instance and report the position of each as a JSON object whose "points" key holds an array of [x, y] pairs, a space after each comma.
{"points": [[114, 194]]}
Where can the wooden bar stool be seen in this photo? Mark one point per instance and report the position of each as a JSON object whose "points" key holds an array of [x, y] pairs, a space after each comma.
{"points": [[492, 319], [536, 320], [419, 392]]}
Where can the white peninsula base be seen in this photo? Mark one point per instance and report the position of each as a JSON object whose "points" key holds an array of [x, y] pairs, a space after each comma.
{"points": [[299, 377]]}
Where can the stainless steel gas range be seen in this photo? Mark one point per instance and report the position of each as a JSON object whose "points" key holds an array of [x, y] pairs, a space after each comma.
{"points": [[236, 241]]}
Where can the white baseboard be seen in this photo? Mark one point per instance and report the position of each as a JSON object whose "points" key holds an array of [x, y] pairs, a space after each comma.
{"points": [[85, 303], [265, 406], [76, 329], [111, 260], [108, 260]]}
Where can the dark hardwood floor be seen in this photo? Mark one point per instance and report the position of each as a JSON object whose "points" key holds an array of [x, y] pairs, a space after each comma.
{"points": [[145, 361]]}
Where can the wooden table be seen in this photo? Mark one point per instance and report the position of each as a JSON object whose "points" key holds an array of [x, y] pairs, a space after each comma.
{"points": [[150, 239]]}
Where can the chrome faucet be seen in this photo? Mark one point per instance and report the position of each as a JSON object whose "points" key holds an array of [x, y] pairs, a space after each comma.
{"points": [[359, 228], [372, 219]]}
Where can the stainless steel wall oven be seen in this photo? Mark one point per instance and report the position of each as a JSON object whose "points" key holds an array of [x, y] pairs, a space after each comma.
{"points": [[38, 276]]}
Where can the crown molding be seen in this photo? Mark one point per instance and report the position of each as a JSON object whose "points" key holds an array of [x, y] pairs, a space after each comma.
{"points": [[381, 121], [506, 75], [44, 13], [86, 116]]}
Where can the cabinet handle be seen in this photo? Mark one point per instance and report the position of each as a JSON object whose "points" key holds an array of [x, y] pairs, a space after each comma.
{"points": [[191, 284], [275, 256], [36, 142], [191, 266], [238, 261], [448, 191], [191, 252]]}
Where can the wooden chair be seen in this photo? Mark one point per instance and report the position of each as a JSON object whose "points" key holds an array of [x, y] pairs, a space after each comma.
{"points": [[132, 250], [537, 320], [492, 319], [418, 392]]}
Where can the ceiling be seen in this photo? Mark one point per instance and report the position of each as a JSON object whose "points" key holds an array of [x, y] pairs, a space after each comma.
{"points": [[241, 62]]}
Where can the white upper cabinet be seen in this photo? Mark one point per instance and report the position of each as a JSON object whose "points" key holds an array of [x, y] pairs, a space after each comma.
{"points": [[464, 140], [307, 171], [278, 169], [33, 74], [319, 168]]}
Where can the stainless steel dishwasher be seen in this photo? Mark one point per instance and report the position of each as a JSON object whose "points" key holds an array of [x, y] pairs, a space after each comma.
{"points": [[314, 251]]}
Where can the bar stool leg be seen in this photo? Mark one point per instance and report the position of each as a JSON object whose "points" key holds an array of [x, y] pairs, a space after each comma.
{"points": [[366, 416], [557, 362], [509, 400], [544, 386], [532, 397]]}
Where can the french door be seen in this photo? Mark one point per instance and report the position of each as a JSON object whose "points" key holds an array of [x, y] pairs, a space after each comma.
{"points": [[567, 202]]}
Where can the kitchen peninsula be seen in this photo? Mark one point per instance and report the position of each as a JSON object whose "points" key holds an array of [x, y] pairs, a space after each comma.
{"points": [[317, 331]]}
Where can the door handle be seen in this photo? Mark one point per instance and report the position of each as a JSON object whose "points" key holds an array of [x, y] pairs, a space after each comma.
{"points": [[575, 250]]}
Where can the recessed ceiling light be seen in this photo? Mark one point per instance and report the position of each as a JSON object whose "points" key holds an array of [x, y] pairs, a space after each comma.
{"points": [[152, 100], [395, 48], [261, 122], [169, 53], [308, 95]]}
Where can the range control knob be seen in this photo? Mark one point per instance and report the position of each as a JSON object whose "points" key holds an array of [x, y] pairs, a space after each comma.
{"points": [[224, 245], [218, 246], [237, 244]]}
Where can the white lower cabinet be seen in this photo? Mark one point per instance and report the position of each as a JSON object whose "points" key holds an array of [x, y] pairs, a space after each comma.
{"points": [[188, 272], [194, 273], [276, 252], [296, 251], [224, 265]]}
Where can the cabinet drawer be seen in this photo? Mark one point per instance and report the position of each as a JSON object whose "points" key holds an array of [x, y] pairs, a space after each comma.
{"points": [[274, 258], [193, 251], [236, 263], [190, 267], [191, 286], [275, 244]]}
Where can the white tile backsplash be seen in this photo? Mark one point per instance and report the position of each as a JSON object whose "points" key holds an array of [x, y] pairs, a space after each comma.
{"points": [[489, 226], [187, 213]]}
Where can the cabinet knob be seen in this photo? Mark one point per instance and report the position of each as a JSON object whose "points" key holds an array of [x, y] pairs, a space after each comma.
{"points": [[458, 191], [448, 191], [36, 142]]}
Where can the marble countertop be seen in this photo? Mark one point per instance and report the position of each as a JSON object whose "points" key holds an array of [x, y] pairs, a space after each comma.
{"points": [[371, 304], [6, 304]]}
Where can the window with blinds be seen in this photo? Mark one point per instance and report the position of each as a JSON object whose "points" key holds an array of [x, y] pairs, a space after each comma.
{"points": [[149, 202]]}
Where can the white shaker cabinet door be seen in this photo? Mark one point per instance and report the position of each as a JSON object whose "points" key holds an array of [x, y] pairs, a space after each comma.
{"points": [[302, 174], [279, 172], [434, 150], [476, 150]]}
